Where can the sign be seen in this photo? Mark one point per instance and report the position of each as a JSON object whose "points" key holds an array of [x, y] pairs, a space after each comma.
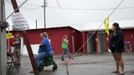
{"points": [[9, 35], [19, 22]]}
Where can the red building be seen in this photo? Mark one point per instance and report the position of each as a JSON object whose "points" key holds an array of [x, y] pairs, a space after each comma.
{"points": [[129, 39], [98, 43], [86, 41], [55, 35]]}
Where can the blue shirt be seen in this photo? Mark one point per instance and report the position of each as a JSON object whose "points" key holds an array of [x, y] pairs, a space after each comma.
{"points": [[45, 47]]}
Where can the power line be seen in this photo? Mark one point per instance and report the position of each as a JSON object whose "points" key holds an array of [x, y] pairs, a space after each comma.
{"points": [[116, 8], [91, 9], [99, 27], [27, 7], [34, 6], [28, 3], [58, 3], [14, 11]]}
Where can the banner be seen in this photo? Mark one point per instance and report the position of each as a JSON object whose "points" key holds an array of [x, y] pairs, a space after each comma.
{"points": [[9, 35], [106, 24], [19, 22]]}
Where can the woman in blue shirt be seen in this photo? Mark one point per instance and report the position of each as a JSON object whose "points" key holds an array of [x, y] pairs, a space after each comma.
{"points": [[45, 50]]}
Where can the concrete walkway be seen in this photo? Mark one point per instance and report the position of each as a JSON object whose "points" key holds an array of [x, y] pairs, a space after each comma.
{"points": [[91, 64]]}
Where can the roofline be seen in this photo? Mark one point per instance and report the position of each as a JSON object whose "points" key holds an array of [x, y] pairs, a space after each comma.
{"points": [[104, 29], [51, 28]]}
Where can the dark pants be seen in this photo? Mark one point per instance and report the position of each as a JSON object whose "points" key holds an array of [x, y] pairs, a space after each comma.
{"points": [[65, 51]]}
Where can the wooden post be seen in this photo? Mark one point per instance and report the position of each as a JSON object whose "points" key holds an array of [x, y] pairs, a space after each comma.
{"points": [[30, 53]]}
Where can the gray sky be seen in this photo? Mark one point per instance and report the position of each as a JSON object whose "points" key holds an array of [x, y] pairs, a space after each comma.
{"points": [[80, 14]]}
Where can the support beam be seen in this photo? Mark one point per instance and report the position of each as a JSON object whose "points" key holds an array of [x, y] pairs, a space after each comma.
{"points": [[30, 53], [15, 6], [3, 45]]}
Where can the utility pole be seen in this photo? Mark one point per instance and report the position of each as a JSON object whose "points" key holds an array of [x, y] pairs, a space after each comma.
{"points": [[3, 45], [44, 13], [36, 24]]}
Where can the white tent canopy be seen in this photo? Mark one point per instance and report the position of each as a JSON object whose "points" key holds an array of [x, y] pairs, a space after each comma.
{"points": [[80, 14]]}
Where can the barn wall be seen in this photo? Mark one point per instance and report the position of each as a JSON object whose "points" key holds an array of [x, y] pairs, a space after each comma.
{"points": [[129, 36], [55, 36]]}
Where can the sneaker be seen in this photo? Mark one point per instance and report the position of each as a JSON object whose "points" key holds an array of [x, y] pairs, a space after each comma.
{"points": [[69, 62], [55, 67]]}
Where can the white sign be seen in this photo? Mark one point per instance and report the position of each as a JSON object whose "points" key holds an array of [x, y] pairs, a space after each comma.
{"points": [[19, 22]]}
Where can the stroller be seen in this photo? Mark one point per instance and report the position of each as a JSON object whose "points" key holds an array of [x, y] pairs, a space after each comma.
{"points": [[11, 64], [47, 61]]}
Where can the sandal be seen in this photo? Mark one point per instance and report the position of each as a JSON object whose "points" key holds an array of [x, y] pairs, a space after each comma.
{"points": [[122, 73]]}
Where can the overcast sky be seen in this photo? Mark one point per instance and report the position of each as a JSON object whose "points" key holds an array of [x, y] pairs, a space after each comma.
{"points": [[80, 14]]}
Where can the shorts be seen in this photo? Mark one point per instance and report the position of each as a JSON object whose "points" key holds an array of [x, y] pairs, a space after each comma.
{"points": [[115, 50]]}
